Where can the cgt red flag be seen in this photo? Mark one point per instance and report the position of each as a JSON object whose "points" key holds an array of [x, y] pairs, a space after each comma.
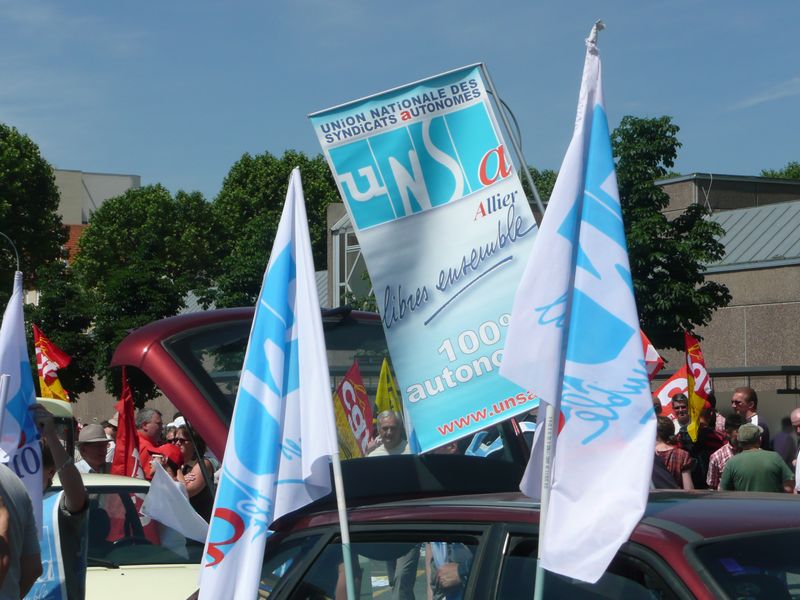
{"points": [[126, 453], [49, 359], [352, 406], [677, 384]]}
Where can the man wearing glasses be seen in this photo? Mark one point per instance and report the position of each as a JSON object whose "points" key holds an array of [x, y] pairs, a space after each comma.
{"points": [[745, 402]]}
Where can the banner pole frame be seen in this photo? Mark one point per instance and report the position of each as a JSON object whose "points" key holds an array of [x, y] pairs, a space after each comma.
{"points": [[514, 142]]}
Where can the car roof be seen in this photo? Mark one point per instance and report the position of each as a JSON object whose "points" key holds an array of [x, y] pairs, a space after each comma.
{"points": [[100, 480], [689, 515], [441, 488], [57, 408]]}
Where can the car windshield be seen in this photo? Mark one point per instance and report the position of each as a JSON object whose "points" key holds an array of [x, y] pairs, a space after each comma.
{"points": [[763, 565], [119, 534], [213, 355]]}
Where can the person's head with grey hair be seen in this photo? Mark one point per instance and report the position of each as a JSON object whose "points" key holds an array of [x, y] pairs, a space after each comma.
{"points": [[148, 421], [680, 408], [390, 428]]}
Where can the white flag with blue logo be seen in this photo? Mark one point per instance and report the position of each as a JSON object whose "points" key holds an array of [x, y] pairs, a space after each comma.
{"points": [[574, 340], [282, 432], [19, 437]]}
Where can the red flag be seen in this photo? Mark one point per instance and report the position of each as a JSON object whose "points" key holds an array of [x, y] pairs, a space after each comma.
{"points": [[698, 382], [652, 359], [677, 384], [126, 453], [49, 359]]}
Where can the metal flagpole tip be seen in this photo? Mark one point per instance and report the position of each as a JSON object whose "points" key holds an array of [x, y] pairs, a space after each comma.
{"points": [[591, 41]]}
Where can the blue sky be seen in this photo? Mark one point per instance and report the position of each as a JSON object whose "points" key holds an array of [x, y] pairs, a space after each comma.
{"points": [[177, 91]]}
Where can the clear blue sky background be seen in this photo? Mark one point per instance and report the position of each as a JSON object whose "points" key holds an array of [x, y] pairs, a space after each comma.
{"points": [[177, 91]]}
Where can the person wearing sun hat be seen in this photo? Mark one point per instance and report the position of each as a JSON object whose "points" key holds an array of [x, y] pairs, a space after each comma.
{"points": [[755, 469], [93, 447]]}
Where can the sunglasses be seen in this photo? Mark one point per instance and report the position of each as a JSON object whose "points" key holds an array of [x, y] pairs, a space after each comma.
{"points": [[179, 440]]}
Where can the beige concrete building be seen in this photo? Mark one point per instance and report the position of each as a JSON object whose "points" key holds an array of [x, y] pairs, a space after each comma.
{"points": [[82, 193], [755, 340]]}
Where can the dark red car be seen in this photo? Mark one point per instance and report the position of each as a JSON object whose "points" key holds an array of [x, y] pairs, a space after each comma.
{"points": [[454, 527], [688, 545]]}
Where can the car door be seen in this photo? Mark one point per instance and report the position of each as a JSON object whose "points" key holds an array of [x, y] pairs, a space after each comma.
{"points": [[635, 573], [442, 561]]}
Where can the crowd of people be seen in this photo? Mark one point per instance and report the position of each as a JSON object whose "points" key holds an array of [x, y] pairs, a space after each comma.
{"points": [[180, 450], [733, 452], [724, 453]]}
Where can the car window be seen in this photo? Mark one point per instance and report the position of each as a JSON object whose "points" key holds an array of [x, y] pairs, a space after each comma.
{"points": [[760, 566], [280, 561], [212, 356], [393, 565], [627, 578], [120, 535]]}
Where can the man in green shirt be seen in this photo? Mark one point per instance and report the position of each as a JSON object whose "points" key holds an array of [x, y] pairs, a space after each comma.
{"points": [[754, 469]]}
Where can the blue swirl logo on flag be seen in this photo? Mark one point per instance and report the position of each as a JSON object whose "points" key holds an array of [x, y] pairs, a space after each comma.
{"points": [[279, 444], [269, 374], [573, 336], [602, 333]]}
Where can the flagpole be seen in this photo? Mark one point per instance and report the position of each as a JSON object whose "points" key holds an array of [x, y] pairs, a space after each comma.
{"points": [[4, 379], [549, 425], [514, 142], [338, 484], [551, 415]]}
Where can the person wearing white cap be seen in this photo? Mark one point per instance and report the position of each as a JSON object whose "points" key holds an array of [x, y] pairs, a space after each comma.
{"points": [[110, 427], [93, 445]]}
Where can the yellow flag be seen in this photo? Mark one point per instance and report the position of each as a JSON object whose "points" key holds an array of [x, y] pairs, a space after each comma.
{"points": [[387, 398]]}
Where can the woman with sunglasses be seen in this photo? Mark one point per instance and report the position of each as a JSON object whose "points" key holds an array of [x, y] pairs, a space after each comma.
{"points": [[190, 473]]}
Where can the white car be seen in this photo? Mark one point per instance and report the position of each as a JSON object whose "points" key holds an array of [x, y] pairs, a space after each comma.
{"points": [[130, 555]]}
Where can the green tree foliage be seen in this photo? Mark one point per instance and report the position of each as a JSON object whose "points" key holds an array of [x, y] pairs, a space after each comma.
{"points": [[249, 208], [142, 253], [667, 257], [790, 171], [28, 210], [544, 181], [63, 316]]}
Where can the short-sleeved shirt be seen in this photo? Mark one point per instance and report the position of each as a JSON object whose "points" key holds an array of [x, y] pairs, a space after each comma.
{"points": [[716, 465], [23, 539], [146, 450], [677, 461], [755, 471]]}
